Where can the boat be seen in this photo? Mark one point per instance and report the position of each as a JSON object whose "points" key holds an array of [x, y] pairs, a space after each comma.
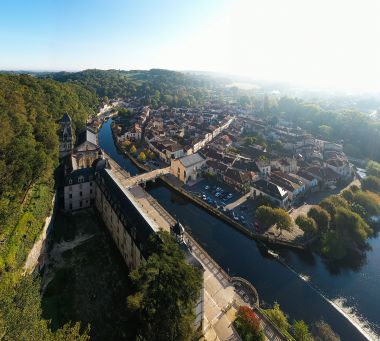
{"points": [[274, 254]]}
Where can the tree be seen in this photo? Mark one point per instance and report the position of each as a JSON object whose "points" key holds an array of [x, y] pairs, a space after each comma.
{"points": [[371, 183], [332, 246], [301, 331], [265, 216], [348, 195], [322, 332], [142, 156], [133, 150], [282, 219], [278, 317], [373, 168], [127, 143], [352, 229], [166, 291], [248, 325], [369, 201], [20, 315], [306, 224], [320, 216], [331, 203], [325, 131]]}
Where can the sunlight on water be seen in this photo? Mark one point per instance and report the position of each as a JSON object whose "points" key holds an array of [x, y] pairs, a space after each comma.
{"points": [[305, 278], [352, 315]]}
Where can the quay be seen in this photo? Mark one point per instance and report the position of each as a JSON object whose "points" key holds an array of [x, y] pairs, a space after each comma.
{"points": [[170, 181], [222, 294]]}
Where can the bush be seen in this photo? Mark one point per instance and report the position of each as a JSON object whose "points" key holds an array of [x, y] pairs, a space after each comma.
{"points": [[301, 331], [248, 325], [278, 317]]}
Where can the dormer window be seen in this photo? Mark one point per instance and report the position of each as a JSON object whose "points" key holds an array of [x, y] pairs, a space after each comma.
{"points": [[80, 179], [70, 181]]}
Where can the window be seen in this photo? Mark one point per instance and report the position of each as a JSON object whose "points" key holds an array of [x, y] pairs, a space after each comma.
{"points": [[90, 191], [80, 203], [81, 193], [91, 183], [70, 195], [70, 181]]}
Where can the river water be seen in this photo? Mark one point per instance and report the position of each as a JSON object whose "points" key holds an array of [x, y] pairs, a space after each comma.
{"points": [[347, 297]]}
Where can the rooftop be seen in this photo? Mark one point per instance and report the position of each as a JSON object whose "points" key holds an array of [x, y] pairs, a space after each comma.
{"points": [[191, 160]]}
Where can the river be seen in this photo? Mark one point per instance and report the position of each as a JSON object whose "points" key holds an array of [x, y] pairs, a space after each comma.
{"points": [[347, 297]]}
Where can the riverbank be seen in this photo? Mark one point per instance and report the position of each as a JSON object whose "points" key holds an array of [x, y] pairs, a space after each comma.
{"points": [[171, 183], [341, 291]]}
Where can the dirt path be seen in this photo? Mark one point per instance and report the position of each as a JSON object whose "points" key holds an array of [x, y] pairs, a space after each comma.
{"points": [[55, 259]]}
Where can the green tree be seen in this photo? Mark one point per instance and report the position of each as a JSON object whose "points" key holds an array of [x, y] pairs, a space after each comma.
{"points": [[133, 149], [278, 317], [265, 216], [320, 216], [348, 195], [282, 219], [332, 246], [331, 203], [373, 168], [306, 224], [369, 201], [20, 315], [142, 156], [371, 183], [301, 331], [166, 291], [352, 229]]}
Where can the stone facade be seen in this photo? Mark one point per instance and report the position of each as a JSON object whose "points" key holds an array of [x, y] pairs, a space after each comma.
{"points": [[65, 136]]}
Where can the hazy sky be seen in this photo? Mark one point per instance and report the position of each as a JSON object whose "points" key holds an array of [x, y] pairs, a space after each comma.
{"points": [[321, 42]]}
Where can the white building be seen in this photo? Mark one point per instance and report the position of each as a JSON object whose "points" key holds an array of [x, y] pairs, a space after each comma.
{"points": [[188, 167]]}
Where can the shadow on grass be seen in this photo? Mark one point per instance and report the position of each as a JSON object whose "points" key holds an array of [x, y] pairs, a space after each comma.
{"points": [[89, 281]]}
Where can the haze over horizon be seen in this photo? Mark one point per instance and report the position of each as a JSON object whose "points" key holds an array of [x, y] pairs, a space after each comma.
{"points": [[325, 44]]}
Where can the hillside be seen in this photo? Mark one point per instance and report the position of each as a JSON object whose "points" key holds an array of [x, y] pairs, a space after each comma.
{"points": [[29, 111], [154, 86]]}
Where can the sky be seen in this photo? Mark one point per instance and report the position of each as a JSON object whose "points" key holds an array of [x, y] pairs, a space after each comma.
{"points": [[325, 43]]}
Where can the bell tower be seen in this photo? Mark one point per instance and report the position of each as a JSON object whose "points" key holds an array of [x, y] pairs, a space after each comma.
{"points": [[65, 136]]}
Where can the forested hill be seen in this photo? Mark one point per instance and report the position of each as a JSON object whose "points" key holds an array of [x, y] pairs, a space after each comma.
{"points": [[154, 86], [29, 111]]}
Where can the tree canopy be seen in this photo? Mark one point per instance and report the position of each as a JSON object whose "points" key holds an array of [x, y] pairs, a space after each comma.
{"points": [[167, 289]]}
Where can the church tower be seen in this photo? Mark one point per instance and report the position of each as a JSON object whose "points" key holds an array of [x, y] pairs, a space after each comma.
{"points": [[65, 136]]}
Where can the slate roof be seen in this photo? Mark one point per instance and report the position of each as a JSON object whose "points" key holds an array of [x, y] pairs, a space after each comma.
{"points": [[87, 135], [86, 173], [66, 118], [191, 160], [270, 188], [127, 212]]}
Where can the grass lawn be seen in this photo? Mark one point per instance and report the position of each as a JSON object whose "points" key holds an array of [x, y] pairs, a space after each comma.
{"points": [[87, 278]]}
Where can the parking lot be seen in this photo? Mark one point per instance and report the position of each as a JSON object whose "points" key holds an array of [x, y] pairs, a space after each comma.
{"points": [[222, 197]]}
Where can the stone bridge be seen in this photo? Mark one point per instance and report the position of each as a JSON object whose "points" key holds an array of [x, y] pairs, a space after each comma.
{"points": [[142, 179]]}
